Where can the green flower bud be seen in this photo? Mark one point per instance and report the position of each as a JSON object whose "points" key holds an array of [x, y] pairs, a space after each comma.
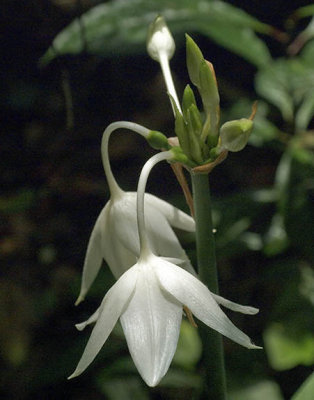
{"points": [[210, 98], [194, 127], [181, 157], [180, 128], [194, 58], [158, 140], [188, 99], [159, 39], [234, 135]]}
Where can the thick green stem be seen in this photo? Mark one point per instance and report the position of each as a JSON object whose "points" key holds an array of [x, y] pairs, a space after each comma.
{"points": [[213, 359]]}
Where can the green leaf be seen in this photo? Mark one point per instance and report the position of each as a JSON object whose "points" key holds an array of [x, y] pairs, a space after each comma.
{"points": [[273, 83], [306, 390], [189, 349], [120, 27], [289, 85], [259, 391], [285, 351]]}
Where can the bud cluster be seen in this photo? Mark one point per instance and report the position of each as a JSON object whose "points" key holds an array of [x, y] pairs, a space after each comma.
{"points": [[200, 138]]}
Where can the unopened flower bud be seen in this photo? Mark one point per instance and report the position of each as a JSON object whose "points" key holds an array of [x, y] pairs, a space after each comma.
{"points": [[157, 140], [234, 135], [159, 40]]}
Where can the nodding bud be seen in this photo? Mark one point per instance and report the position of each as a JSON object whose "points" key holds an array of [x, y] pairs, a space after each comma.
{"points": [[158, 140], [159, 40], [234, 135]]}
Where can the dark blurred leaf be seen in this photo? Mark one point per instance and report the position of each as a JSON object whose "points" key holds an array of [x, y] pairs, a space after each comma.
{"points": [[19, 202], [299, 212], [120, 27], [234, 215], [126, 388], [305, 392], [259, 391], [276, 239]]}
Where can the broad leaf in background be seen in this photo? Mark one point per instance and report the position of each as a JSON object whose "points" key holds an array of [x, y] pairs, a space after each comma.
{"points": [[289, 85], [289, 338], [120, 27], [285, 351]]}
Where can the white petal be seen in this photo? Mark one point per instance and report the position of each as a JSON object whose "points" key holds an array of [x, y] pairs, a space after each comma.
{"points": [[93, 318], [119, 237], [175, 217], [123, 222], [93, 258], [113, 305], [195, 295], [235, 306], [151, 324]]}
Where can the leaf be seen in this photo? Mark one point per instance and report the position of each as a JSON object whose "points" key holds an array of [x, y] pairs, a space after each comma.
{"points": [[299, 211], [189, 349], [285, 351], [272, 83], [289, 85], [259, 391], [124, 388], [306, 390], [120, 27]]}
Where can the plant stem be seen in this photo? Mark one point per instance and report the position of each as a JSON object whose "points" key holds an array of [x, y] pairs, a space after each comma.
{"points": [[213, 359]]}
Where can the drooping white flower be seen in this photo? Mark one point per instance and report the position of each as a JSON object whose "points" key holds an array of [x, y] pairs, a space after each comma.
{"points": [[149, 298], [115, 235]]}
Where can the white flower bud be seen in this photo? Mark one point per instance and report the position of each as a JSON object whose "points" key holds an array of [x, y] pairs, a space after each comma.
{"points": [[160, 40]]}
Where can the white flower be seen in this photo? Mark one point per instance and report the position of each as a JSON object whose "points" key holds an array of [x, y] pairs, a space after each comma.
{"points": [[115, 237], [149, 299]]}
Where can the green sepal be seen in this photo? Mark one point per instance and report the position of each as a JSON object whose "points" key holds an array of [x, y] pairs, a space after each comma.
{"points": [[194, 58], [210, 98], [180, 128], [188, 99], [234, 135], [194, 119], [180, 156], [158, 140], [194, 127]]}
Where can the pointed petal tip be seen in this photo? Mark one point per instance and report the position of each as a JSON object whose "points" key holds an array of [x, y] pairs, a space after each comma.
{"points": [[79, 300], [252, 310], [80, 326], [152, 381], [254, 347], [72, 376]]}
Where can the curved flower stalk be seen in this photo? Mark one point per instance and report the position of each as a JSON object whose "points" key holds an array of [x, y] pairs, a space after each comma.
{"points": [[149, 300], [115, 237]]}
